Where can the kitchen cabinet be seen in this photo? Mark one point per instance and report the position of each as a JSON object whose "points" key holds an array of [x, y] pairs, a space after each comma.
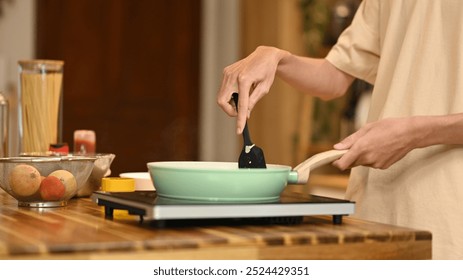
{"points": [[80, 231]]}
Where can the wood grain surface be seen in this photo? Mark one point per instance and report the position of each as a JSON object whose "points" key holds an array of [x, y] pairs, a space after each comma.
{"points": [[80, 231]]}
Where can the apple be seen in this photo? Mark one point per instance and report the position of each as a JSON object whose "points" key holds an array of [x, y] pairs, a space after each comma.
{"points": [[52, 189]]}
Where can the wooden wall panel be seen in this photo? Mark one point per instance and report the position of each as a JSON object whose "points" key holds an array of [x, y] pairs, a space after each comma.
{"points": [[131, 74]]}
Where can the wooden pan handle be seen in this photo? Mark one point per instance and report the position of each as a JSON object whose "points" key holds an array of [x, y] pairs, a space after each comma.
{"points": [[317, 160]]}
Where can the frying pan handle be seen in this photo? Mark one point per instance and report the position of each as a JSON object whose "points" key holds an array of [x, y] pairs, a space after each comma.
{"points": [[317, 160]]}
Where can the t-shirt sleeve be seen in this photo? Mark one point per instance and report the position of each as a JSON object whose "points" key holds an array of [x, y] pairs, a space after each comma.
{"points": [[357, 50]]}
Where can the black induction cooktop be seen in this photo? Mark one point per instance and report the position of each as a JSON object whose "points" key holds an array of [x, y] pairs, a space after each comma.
{"points": [[288, 208]]}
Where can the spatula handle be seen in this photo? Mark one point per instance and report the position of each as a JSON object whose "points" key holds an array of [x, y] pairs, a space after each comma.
{"points": [[317, 160], [246, 136]]}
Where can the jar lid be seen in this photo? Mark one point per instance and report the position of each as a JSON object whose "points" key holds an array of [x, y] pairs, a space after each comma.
{"points": [[35, 64], [41, 61]]}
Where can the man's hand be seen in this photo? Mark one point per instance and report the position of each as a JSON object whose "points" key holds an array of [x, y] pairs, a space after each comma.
{"points": [[379, 144], [252, 78]]}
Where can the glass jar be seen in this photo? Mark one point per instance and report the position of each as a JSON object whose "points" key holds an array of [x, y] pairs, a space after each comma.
{"points": [[40, 104], [84, 142]]}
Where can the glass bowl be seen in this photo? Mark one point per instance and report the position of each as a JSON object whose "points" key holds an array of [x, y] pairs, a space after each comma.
{"points": [[44, 181]]}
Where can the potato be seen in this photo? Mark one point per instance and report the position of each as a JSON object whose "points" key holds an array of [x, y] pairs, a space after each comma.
{"points": [[52, 189], [24, 180], [68, 180]]}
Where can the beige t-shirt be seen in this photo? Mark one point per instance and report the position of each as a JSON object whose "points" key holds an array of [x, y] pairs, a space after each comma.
{"points": [[412, 51]]}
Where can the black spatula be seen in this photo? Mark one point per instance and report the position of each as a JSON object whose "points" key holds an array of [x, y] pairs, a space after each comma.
{"points": [[251, 156]]}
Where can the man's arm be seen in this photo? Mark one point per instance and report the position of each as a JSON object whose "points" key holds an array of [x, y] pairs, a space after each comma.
{"points": [[253, 76], [382, 143]]}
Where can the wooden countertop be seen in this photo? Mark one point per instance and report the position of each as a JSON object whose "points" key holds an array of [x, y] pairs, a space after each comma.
{"points": [[80, 231]]}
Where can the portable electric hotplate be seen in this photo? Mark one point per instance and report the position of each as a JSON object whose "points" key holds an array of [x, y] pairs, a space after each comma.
{"points": [[287, 209]]}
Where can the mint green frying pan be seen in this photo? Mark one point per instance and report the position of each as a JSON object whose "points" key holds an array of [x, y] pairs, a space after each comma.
{"points": [[225, 182]]}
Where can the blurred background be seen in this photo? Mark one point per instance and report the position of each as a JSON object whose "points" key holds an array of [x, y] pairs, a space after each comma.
{"points": [[144, 74]]}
